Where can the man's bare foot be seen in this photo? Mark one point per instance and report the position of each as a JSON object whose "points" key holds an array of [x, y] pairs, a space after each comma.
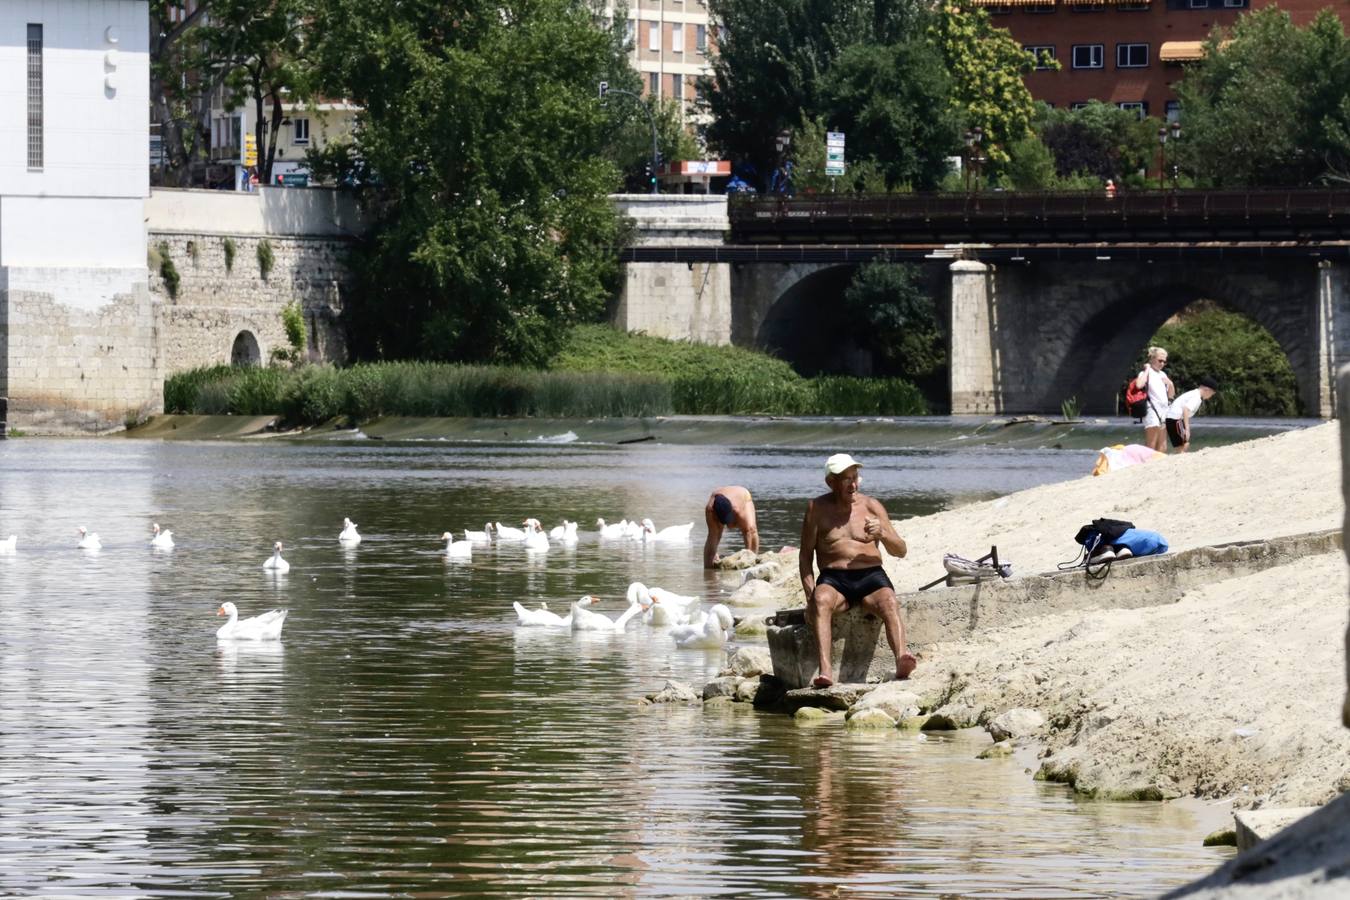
{"points": [[904, 665], [822, 681]]}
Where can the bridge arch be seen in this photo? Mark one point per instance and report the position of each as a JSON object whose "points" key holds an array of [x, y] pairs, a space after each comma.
{"points": [[1103, 339], [245, 350]]}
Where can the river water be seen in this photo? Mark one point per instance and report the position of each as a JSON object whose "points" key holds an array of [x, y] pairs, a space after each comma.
{"points": [[405, 738]]}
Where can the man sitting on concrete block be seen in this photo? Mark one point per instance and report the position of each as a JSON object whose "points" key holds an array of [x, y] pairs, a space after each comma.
{"points": [[840, 533]]}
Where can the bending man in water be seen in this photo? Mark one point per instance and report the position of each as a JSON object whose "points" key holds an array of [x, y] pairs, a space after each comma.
{"points": [[729, 507], [840, 533]]}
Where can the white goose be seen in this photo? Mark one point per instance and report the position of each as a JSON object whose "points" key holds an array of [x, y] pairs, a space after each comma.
{"points": [[457, 549], [162, 540], [275, 563], [633, 530], [266, 627], [349, 535], [612, 532], [584, 619], [536, 541], [708, 633], [566, 532], [89, 540], [9, 544], [507, 533], [479, 537], [541, 617], [672, 534], [667, 607]]}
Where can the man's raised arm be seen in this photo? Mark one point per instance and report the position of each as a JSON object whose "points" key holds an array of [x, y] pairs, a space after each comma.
{"points": [[807, 557], [890, 539]]}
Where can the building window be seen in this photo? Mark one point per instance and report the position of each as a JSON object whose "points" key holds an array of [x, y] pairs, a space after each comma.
{"points": [[677, 86], [1043, 54], [1081, 104], [1131, 56], [1234, 4], [628, 26], [1088, 56], [1199, 4], [1138, 107], [35, 97], [301, 130], [1041, 8], [1133, 5], [654, 84], [654, 36], [677, 38], [1087, 7], [1173, 110], [701, 38]]}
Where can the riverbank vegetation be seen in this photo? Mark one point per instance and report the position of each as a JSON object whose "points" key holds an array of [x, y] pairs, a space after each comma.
{"points": [[600, 372], [1253, 372]]}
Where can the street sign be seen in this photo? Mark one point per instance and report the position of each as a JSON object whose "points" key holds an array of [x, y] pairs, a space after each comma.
{"points": [[293, 179], [250, 149], [834, 153]]}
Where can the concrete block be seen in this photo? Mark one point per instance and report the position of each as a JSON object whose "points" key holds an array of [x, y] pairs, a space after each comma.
{"points": [[1256, 825], [792, 646]]}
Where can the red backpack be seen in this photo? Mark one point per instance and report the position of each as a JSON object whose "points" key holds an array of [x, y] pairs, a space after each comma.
{"points": [[1136, 399]]}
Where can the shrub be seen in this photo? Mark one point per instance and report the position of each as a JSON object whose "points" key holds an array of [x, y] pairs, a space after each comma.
{"points": [[293, 321], [265, 258], [230, 251], [168, 271]]}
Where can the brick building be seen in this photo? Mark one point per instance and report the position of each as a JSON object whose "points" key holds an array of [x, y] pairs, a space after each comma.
{"points": [[1127, 52], [669, 42]]}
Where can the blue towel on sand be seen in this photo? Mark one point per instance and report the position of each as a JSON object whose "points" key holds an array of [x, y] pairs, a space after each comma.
{"points": [[1141, 542]]}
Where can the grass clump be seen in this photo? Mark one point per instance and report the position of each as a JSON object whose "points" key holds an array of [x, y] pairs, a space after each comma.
{"points": [[644, 377]]}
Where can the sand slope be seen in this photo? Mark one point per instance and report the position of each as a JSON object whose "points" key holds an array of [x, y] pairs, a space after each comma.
{"points": [[1286, 484], [1232, 691]]}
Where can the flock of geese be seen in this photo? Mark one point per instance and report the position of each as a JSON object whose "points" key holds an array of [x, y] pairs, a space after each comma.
{"points": [[690, 626]]}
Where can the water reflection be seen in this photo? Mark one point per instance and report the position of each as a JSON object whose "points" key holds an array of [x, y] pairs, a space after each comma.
{"points": [[405, 737]]}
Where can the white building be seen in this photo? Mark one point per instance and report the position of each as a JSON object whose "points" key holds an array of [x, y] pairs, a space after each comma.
{"points": [[76, 322]]}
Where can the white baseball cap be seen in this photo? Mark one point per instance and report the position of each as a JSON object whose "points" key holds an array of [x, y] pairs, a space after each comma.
{"points": [[839, 463]]}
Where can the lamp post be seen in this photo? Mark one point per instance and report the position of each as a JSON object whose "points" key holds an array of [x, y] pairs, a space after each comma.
{"points": [[1175, 129], [974, 138], [605, 91]]}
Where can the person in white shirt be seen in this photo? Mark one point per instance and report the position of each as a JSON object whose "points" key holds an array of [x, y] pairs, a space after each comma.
{"points": [[1181, 409], [1160, 393]]}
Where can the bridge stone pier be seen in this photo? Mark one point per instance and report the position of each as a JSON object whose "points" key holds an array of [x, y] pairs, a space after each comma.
{"points": [[687, 300], [1027, 335]]}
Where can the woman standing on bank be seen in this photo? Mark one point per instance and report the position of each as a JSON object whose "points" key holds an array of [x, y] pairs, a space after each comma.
{"points": [[1160, 393]]}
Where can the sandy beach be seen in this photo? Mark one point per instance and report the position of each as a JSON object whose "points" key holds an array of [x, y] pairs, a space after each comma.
{"points": [[1231, 693]]}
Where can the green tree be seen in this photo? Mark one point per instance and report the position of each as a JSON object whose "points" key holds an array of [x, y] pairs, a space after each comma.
{"points": [[986, 67], [1254, 375], [183, 76], [770, 65], [261, 47], [1099, 139], [1269, 104], [899, 319], [894, 102], [807, 143], [477, 158], [1031, 165]]}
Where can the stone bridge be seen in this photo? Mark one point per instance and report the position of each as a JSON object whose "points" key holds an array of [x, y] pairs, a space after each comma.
{"points": [[1029, 325]]}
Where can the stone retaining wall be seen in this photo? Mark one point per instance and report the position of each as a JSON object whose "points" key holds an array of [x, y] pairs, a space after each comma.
{"points": [[942, 614], [218, 305]]}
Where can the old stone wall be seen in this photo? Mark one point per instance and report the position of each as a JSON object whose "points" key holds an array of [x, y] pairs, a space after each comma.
{"points": [[230, 312], [79, 349]]}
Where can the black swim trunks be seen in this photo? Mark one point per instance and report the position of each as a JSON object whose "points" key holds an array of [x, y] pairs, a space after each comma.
{"points": [[855, 584], [723, 510], [1174, 433]]}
